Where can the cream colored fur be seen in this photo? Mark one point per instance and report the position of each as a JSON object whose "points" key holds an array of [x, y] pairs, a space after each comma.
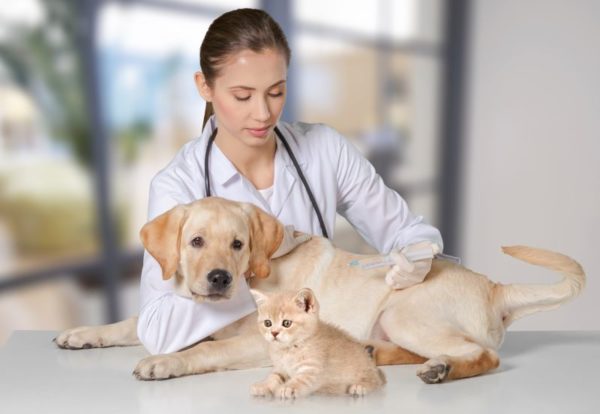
{"points": [[309, 355], [455, 320]]}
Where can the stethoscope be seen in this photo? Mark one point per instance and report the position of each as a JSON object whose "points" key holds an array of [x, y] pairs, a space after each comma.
{"points": [[298, 170]]}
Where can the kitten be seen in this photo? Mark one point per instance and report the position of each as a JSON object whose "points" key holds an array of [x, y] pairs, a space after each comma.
{"points": [[308, 354]]}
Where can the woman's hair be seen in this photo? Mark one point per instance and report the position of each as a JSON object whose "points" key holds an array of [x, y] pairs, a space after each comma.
{"points": [[233, 32]]}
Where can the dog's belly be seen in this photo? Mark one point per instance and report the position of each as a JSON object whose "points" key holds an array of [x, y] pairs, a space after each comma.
{"points": [[452, 301], [355, 313]]}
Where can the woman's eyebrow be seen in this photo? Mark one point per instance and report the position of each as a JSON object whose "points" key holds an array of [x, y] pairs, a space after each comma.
{"points": [[252, 89]]}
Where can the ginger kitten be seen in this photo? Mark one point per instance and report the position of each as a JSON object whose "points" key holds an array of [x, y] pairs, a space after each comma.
{"points": [[308, 354]]}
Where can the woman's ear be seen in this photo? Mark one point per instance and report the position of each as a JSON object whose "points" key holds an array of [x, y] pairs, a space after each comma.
{"points": [[162, 238], [266, 234], [202, 86]]}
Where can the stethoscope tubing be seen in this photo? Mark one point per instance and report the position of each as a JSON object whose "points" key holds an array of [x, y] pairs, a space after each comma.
{"points": [[294, 161]]}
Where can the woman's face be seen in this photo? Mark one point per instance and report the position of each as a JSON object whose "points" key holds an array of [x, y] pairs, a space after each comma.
{"points": [[248, 95]]}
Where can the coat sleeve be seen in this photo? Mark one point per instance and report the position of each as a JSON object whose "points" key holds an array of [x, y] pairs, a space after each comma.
{"points": [[168, 322], [379, 214]]}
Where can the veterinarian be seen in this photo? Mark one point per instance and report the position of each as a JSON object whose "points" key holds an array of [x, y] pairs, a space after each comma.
{"points": [[301, 173]]}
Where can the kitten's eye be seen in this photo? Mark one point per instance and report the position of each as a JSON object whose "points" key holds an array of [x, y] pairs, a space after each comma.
{"points": [[268, 323], [197, 242], [237, 245], [286, 323]]}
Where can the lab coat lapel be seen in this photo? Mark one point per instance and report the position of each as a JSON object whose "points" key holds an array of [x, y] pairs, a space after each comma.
{"points": [[286, 176], [232, 185], [258, 199], [285, 183]]}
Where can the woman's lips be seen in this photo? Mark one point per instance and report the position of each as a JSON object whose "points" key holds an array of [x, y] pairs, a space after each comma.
{"points": [[259, 133]]}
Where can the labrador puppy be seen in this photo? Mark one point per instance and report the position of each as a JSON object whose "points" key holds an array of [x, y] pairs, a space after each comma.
{"points": [[452, 324]]}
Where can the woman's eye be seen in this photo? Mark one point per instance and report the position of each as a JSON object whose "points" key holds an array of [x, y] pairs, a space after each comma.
{"points": [[197, 242], [246, 98], [268, 323], [237, 245], [286, 323]]}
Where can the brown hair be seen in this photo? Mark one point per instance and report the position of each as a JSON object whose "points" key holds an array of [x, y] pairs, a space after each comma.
{"points": [[233, 32]]}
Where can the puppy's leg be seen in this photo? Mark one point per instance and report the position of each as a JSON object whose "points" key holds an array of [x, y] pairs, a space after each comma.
{"points": [[122, 333], [463, 358], [238, 352], [450, 354], [388, 353]]}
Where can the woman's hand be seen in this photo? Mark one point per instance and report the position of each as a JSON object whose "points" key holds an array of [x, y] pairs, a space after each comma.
{"points": [[405, 273]]}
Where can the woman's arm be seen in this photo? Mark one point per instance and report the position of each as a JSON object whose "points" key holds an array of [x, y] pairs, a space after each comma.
{"points": [[168, 322], [378, 213]]}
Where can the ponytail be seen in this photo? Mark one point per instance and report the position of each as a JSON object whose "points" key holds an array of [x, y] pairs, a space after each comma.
{"points": [[208, 111]]}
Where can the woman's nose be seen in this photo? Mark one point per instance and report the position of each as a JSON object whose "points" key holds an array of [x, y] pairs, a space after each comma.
{"points": [[261, 110]]}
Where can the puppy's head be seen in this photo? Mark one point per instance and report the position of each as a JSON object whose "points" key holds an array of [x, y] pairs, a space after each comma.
{"points": [[208, 245]]}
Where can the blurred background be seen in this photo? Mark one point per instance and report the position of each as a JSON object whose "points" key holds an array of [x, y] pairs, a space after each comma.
{"points": [[482, 114]]}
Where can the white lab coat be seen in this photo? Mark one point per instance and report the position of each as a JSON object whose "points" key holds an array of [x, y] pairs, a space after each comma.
{"points": [[342, 181]]}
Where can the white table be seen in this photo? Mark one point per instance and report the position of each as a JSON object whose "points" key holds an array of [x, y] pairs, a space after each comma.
{"points": [[540, 372]]}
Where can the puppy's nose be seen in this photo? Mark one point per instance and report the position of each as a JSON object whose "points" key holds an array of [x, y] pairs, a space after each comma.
{"points": [[275, 333], [219, 279]]}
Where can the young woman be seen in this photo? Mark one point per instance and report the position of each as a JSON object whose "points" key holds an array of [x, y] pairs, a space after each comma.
{"points": [[301, 173]]}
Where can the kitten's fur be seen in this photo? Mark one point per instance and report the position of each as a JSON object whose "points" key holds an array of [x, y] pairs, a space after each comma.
{"points": [[310, 355]]}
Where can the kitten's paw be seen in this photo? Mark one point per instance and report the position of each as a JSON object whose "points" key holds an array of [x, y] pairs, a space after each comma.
{"points": [[434, 371], [286, 392], [357, 390], [260, 389]]}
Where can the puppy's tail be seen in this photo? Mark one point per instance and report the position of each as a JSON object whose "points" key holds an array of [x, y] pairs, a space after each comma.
{"points": [[518, 300]]}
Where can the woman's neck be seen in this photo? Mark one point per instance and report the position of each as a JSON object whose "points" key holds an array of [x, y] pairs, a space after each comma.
{"points": [[254, 163]]}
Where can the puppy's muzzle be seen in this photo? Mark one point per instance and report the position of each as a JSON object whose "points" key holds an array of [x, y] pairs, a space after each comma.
{"points": [[219, 280]]}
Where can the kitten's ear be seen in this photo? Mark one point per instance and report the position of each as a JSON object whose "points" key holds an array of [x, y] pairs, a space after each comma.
{"points": [[305, 299], [259, 297]]}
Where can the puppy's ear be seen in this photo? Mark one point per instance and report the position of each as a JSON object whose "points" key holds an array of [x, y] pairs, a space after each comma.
{"points": [[259, 297], [162, 237], [266, 234], [306, 300]]}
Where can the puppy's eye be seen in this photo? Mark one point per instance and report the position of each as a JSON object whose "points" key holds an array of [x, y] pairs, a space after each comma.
{"points": [[237, 245], [268, 323], [286, 323], [197, 242]]}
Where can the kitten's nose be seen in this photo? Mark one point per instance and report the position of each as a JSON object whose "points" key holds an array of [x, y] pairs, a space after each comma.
{"points": [[219, 279], [274, 333]]}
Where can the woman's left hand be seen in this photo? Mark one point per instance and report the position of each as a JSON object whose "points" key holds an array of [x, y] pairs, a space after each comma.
{"points": [[405, 273]]}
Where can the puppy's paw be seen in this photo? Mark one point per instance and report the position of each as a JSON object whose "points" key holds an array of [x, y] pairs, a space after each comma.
{"points": [[159, 367], [357, 390], [83, 337], [261, 389], [434, 371]]}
